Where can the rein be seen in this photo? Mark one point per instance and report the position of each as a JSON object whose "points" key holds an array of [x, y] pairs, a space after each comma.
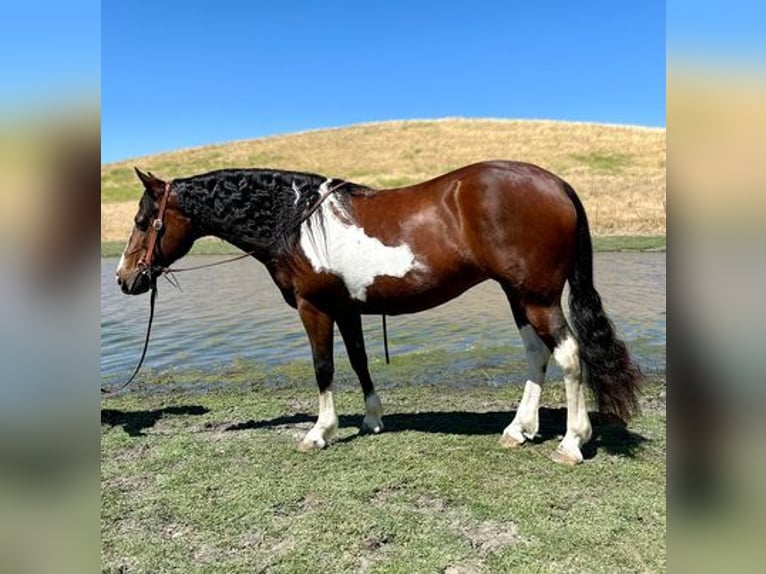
{"points": [[145, 267], [152, 299]]}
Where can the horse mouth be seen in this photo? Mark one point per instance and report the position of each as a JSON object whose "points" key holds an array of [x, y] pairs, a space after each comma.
{"points": [[135, 284]]}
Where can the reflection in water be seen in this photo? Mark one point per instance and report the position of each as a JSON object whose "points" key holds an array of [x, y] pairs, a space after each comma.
{"points": [[235, 312]]}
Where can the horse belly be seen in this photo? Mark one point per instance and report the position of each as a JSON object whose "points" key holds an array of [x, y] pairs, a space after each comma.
{"points": [[422, 289]]}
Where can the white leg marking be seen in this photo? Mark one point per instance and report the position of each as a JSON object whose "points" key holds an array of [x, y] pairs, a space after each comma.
{"points": [[579, 430], [373, 419], [526, 422], [333, 242], [567, 355], [326, 425]]}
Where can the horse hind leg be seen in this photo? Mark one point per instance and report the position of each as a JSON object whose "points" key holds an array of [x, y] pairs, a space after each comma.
{"points": [[579, 431], [550, 327], [525, 424], [353, 337]]}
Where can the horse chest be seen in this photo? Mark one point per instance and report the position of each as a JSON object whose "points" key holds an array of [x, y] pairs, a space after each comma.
{"points": [[335, 244]]}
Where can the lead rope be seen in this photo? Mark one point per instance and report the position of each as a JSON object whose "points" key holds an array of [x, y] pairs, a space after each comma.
{"points": [[152, 299], [385, 339]]}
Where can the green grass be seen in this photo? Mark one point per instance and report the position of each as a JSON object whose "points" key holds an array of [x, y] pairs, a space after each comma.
{"points": [[607, 243], [199, 476], [629, 243], [604, 162]]}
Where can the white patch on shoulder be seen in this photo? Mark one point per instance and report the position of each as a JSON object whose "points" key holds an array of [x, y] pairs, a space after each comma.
{"points": [[332, 242]]}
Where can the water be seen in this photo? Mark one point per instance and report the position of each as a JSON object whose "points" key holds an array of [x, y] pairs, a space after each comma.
{"points": [[234, 312]]}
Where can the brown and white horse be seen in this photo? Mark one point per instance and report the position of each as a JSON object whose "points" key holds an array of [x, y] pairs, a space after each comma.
{"points": [[364, 251]]}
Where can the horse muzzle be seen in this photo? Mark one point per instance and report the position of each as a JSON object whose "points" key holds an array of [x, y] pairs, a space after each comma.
{"points": [[137, 283]]}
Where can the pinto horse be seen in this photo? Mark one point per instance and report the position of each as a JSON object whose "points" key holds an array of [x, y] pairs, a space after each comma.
{"points": [[337, 250]]}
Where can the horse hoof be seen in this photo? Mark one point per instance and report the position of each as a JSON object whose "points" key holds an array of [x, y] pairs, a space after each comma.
{"points": [[309, 445], [507, 441], [371, 426], [565, 457]]}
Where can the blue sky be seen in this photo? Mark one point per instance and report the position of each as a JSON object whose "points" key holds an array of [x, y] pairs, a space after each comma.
{"points": [[178, 74], [49, 52]]}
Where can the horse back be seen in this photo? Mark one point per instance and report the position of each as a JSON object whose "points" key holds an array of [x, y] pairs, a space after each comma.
{"points": [[411, 248]]}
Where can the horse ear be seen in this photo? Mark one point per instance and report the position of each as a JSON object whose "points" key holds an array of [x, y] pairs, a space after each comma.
{"points": [[153, 184]]}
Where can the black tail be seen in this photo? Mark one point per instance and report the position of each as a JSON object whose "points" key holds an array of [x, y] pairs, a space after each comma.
{"points": [[608, 369]]}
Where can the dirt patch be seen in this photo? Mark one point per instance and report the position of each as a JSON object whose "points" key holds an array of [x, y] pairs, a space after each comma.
{"points": [[129, 484], [208, 554], [490, 536], [431, 503], [297, 507], [252, 539], [375, 542], [387, 494], [372, 551]]}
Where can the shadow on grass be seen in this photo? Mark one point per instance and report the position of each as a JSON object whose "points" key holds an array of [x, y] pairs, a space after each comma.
{"points": [[135, 422], [609, 434]]}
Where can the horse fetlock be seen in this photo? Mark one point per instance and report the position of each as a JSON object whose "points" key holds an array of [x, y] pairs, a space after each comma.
{"points": [[524, 427], [529, 429]]}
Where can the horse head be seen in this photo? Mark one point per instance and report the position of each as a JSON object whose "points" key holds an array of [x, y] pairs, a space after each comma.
{"points": [[161, 234]]}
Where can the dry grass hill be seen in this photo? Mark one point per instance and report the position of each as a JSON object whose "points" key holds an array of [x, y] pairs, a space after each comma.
{"points": [[618, 171]]}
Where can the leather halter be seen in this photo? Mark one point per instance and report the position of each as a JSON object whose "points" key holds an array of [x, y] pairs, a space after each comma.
{"points": [[145, 263]]}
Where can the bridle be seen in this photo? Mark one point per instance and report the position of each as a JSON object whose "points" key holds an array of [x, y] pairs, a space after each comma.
{"points": [[157, 226]]}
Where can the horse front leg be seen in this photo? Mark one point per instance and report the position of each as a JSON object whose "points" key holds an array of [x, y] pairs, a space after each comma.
{"points": [[319, 328], [350, 326]]}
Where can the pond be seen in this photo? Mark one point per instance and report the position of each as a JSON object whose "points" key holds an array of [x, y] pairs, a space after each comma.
{"points": [[234, 312]]}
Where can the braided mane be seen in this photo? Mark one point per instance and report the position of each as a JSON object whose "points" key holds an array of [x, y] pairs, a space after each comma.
{"points": [[253, 206]]}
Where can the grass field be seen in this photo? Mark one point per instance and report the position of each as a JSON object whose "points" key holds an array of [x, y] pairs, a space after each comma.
{"points": [[618, 171], [209, 480]]}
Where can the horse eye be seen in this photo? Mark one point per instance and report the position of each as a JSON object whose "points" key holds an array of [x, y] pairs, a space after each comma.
{"points": [[141, 223]]}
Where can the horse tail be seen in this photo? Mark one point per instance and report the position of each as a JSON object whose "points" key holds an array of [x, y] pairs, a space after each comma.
{"points": [[608, 368]]}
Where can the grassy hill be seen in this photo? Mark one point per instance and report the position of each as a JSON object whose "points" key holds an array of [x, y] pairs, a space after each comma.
{"points": [[618, 171]]}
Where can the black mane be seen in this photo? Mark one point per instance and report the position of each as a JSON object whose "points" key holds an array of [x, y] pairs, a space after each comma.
{"points": [[253, 207]]}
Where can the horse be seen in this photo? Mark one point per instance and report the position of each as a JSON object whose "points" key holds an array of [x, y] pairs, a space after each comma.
{"points": [[337, 250]]}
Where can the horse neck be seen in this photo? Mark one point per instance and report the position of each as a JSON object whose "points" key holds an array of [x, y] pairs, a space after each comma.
{"points": [[251, 209]]}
